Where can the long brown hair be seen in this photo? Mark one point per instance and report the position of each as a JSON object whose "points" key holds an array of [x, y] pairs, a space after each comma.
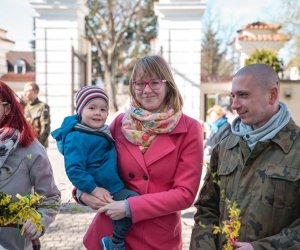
{"points": [[15, 119]]}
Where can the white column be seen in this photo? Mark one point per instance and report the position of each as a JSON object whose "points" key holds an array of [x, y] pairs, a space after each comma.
{"points": [[179, 39], [59, 26]]}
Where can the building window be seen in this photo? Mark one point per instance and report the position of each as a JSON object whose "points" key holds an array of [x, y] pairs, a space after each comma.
{"points": [[20, 66]]}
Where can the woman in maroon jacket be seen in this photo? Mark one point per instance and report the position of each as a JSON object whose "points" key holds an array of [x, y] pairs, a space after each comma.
{"points": [[160, 153]]}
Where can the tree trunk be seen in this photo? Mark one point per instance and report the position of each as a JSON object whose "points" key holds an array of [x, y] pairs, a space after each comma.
{"points": [[110, 90]]}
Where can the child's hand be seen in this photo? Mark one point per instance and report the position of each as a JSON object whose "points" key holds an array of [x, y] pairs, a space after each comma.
{"points": [[102, 194]]}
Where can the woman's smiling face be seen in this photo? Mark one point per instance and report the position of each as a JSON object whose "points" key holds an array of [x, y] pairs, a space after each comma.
{"points": [[148, 98]]}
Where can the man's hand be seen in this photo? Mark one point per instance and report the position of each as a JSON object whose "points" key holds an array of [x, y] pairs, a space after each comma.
{"points": [[243, 246], [115, 210]]}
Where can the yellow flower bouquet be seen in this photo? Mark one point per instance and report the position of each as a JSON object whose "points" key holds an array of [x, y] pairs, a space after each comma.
{"points": [[15, 213], [231, 227]]}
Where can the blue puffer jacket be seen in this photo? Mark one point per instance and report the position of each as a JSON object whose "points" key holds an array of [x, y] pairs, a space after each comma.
{"points": [[90, 159]]}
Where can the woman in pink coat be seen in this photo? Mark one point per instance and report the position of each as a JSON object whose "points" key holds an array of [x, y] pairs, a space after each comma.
{"points": [[160, 153]]}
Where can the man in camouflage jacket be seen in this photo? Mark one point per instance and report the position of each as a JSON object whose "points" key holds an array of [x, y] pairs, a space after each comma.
{"points": [[257, 166], [37, 113]]}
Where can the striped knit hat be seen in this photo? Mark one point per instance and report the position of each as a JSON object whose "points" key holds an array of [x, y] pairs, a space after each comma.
{"points": [[87, 94]]}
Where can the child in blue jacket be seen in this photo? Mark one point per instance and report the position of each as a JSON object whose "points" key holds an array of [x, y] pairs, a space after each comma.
{"points": [[90, 157]]}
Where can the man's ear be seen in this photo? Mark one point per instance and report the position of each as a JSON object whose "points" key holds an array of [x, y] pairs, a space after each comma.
{"points": [[274, 95]]}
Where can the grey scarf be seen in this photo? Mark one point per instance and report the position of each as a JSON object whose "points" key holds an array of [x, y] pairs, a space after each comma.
{"points": [[8, 145], [264, 133], [104, 130]]}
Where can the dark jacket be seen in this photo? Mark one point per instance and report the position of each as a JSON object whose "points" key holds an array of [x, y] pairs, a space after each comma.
{"points": [[37, 114], [215, 138], [265, 183]]}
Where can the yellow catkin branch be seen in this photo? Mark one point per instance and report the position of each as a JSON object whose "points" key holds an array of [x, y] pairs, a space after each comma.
{"points": [[230, 227], [17, 212]]}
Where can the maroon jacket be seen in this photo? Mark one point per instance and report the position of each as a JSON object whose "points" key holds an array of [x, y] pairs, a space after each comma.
{"points": [[167, 176]]}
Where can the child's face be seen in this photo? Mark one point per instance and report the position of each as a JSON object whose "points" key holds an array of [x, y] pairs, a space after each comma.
{"points": [[95, 113]]}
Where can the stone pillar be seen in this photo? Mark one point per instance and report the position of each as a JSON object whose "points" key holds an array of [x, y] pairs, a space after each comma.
{"points": [[59, 36], [179, 41]]}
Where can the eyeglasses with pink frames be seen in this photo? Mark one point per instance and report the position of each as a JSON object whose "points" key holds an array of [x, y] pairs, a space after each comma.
{"points": [[154, 84]]}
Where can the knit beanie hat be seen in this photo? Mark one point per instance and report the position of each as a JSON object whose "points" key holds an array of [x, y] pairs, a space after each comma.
{"points": [[87, 94]]}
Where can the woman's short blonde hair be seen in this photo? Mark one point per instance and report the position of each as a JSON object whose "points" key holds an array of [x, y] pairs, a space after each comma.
{"points": [[155, 64]]}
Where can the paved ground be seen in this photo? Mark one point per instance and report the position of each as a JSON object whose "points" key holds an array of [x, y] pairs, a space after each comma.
{"points": [[67, 231]]}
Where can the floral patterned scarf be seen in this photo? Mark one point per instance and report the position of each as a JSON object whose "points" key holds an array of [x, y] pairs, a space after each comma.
{"points": [[7, 145], [140, 126]]}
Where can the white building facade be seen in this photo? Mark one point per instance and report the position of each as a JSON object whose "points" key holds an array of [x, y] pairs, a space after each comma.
{"points": [[257, 36], [179, 42], [62, 54]]}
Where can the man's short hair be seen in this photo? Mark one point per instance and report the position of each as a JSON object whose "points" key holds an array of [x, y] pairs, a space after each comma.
{"points": [[34, 86]]}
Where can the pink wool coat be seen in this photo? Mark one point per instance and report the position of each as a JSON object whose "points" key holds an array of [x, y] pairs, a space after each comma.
{"points": [[167, 176]]}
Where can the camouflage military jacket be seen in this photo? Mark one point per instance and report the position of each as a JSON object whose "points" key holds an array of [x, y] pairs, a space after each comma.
{"points": [[265, 183], [37, 113]]}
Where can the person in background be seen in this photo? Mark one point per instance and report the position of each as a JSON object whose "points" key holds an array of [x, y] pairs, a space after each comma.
{"points": [[219, 128], [160, 155], [257, 166], [90, 156], [24, 169], [37, 113]]}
